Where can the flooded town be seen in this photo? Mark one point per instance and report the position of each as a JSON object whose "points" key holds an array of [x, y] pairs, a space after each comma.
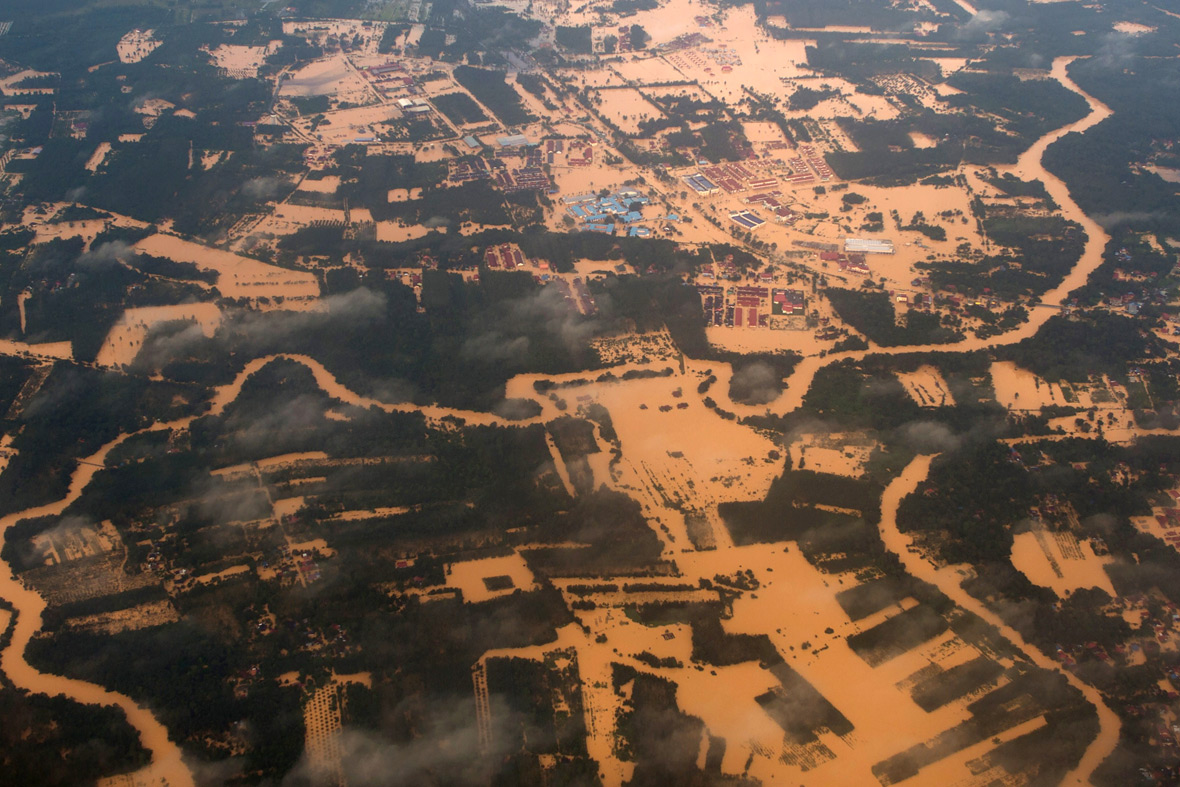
{"points": [[633, 393]]}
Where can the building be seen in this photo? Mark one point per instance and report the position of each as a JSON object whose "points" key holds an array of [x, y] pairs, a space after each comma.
{"points": [[513, 141], [701, 185], [867, 246], [747, 219]]}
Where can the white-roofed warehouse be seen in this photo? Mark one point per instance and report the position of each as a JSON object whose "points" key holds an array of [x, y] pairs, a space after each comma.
{"points": [[867, 246]]}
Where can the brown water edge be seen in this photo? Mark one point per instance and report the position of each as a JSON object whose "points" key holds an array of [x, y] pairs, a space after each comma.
{"points": [[1028, 166], [948, 578], [167, 766]]}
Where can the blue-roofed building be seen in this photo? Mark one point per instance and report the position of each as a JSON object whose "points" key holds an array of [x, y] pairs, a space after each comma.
{"points": [[639, 232], [747, 219], [701, 184], [632, 217], [471, 142]]}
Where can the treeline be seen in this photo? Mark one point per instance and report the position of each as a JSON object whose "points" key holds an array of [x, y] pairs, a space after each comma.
{"points": [[898, 168], [1029, 108], [1072, 349], [56, 742], [1103, 166], [490, 89], [618, 539], [77, 410], [575, 39], [819, 13], [872, 314], [459, 108], [171, 269], [832, 541]]}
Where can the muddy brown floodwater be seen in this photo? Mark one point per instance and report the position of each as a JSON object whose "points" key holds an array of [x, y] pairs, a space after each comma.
{"points": [[948, 579], [1028, 167], [167, 766]]}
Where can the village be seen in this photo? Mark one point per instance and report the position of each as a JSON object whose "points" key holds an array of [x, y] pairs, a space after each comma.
{"points": [[647, 393]]}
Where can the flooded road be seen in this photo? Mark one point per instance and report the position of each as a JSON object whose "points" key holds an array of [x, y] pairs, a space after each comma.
{"points": [[948, 578]]}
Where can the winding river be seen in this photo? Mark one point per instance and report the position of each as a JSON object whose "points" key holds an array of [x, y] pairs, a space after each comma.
{"points": [[167, 765], [947, 579], [1028, 167]]}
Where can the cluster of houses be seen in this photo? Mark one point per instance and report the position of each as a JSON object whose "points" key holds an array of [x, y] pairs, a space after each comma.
{"points": [[528, 175], [732, 178], [577, 154], [507, 255], [787, 302], [524, 174], [468, 168], [817, 162], [749, 306], [770, 201], [391, 79], [849, 263]]}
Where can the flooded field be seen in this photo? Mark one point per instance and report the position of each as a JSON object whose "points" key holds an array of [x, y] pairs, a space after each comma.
{"points": [[828, 452], [626, 108], [242, 62], [239, 277], [136, 45], [927, 387], [325, 185], [1019, 389], [1060, 562], [481, 580], [126, 336], [673, 440], [327, 77]]}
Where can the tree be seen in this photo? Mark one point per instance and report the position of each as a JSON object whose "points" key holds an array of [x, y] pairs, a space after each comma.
{"points": [[639, 37]]}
